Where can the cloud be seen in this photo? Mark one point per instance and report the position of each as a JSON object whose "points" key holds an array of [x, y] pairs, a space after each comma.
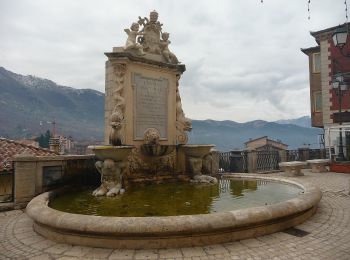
{"points": [[243, 58]]}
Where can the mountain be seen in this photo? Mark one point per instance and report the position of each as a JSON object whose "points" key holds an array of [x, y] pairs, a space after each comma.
{"points": [[304, 121], [28, 104], [230, 135]]}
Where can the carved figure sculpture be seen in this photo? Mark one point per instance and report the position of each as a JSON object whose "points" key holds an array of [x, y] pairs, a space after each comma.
{"points": [[196, 167], [115, 137], [111, 178], [152, 136], [131, 43], [164, 46], [150, 38]]}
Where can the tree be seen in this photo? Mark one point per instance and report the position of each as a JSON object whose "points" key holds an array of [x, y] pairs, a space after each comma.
{"points": [[44, 139]]}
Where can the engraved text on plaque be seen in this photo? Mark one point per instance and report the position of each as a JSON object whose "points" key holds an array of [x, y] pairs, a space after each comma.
{"points": [[150, 105]]}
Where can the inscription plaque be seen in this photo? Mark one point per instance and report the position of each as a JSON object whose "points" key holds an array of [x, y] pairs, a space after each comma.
{"points": [[150, 105]]}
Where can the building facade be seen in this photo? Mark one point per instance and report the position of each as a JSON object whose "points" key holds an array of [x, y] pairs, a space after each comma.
{"points": [[325, 62], [264, 143]]}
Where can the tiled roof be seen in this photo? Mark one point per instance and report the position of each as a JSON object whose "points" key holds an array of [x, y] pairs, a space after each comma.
{"points": [[9, 149]]}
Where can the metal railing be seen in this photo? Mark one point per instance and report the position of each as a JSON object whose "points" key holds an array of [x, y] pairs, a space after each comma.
{"points": [[265, 160]]}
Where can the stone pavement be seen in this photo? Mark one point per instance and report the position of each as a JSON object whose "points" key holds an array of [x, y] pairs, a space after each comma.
{"points": [[328, 238]]}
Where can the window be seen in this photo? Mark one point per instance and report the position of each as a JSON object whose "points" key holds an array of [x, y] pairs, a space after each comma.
{"points": [[318, 101], [316, 62]]}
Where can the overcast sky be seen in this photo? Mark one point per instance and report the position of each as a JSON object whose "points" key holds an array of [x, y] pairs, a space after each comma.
{"points": [[243, 57]]}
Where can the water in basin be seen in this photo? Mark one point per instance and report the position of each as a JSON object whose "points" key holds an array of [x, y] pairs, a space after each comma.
{"points": [[174, 199]]}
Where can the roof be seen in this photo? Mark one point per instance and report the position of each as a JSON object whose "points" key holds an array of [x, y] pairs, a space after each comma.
{"points": [[329, 30], [310, 50], [9, 149], [253, 140], [267, 139]]}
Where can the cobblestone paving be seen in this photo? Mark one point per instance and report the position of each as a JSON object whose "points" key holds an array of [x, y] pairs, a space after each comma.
{"points": [[329, 236]]}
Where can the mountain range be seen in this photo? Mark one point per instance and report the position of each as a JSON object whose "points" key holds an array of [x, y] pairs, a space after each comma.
{"points": [[230, 135], [304, 121], [29, 105]]}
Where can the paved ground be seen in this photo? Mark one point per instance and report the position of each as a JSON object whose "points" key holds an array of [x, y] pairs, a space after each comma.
{"points": [[329, 236]]}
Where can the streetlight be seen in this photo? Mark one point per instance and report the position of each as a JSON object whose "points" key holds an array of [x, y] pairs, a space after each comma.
{"points": [[340, 87], [340, 37]]}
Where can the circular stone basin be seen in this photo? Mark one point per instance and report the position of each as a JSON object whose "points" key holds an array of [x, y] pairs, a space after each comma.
{"points": [[184, 230], [176, 199]]}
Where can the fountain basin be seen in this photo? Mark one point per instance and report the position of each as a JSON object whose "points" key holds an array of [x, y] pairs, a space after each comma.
{"points": [[196, 150], [173, 231], [157, 149], [115, 153]]}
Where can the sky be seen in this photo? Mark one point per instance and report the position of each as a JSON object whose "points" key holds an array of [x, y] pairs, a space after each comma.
{"points": [[243, 59]]}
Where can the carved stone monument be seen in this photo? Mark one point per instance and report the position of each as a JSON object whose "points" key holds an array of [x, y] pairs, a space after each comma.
{"points": [[143, 104]]}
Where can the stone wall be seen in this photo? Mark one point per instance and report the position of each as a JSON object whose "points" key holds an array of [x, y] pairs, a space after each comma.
{"points": [[37, 174]]}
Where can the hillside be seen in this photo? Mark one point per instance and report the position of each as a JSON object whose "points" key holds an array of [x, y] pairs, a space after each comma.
{"points": [[304, 121], [28, 103]]}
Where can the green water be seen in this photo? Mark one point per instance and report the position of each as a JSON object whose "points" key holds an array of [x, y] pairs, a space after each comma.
{"points": [[177, 199]]}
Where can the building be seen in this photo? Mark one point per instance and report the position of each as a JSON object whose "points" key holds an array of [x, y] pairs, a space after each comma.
{"points": [[264, 143], [326, 61], [8, 150], [61, 144]]}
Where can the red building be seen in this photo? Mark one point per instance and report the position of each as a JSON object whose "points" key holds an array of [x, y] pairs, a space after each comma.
{"points": [[326, 62]]}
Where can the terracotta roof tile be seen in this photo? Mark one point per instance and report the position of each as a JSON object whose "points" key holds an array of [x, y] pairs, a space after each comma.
{"points": [[9, 149]]}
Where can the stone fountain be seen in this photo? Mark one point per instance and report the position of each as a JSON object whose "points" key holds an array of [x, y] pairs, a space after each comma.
{"points": [[143, 110]]}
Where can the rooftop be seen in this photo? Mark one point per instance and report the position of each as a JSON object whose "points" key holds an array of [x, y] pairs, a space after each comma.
{"points": [[9, 149], [329, 30]]}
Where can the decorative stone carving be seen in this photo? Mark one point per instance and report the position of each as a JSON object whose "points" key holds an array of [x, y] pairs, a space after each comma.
{"points": [[211, 163], [151, 33], [204, 179], [152, 167], [152, 136], [183, 124], [195, 155], [111, 178], [196, 167], [168, 55], [131, 43], [116, 135], [149, 41]]}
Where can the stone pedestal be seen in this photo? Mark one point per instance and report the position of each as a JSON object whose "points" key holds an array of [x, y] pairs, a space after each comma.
{"points": [[145, 93], [143, 104]]}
